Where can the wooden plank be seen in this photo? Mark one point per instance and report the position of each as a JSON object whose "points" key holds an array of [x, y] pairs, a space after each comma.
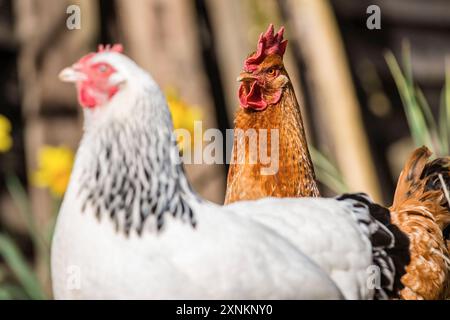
{"points": [[338, 106], [229, 22]]}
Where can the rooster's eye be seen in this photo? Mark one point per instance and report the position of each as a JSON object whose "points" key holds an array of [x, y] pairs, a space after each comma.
{"points": [[271, 71]]}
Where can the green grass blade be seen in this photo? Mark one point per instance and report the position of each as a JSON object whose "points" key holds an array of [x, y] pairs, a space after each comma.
{"points": [[443, 126], [414, 115], [323, 161], [425, 106], [444, 114], [12, 292], [57, 202], [406, 61], [433, 129], [327, 173], [418, 112], [19, 266], [6, 294], [20, 197], [331, 182]]}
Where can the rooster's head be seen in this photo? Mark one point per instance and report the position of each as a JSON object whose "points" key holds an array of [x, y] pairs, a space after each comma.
{"points": [[264, 77]]}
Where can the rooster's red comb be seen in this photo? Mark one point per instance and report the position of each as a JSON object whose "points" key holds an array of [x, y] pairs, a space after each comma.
{"points": [[269, 43]]}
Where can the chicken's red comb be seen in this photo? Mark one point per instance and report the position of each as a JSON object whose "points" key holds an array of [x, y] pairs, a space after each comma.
{"points": [[110, 48], [102, 48], [269, 43]]}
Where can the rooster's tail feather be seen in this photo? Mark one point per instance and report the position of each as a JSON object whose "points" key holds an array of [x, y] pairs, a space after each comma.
{"points": [[425, 185], [421, 209], [390, 246]]}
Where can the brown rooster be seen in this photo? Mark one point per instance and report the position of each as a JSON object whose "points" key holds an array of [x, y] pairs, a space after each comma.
{"points": [[268, 102], [420, 209]]}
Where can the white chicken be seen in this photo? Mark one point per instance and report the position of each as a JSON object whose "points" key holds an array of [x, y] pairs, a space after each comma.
{"points": [[130, 226]]}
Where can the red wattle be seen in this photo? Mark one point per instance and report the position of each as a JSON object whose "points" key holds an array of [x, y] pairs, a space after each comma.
{"points": [[90, 96], [254, 99], [85, 99]]}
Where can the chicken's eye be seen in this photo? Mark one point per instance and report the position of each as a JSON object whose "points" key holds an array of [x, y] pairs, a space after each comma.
{"points": [[271, 71], [102, 68]]}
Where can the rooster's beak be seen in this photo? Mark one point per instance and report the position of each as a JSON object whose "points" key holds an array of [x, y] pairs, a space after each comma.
{"points": [[245, 76], [71, 74]]}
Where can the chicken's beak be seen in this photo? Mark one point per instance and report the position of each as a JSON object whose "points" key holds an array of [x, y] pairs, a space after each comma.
{"points": [[71, 74], [246, 76]]}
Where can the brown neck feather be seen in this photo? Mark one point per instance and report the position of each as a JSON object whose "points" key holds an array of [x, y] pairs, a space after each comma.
{"points": [[295, 176]]}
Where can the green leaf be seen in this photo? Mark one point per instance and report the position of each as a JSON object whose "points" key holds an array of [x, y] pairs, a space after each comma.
{"points": [[19, 266], [444, 114], [443, 132], [425, 106], [406, 59], [414, 114], [12, 292], [20, 197], [327, 173], [5, 294]]}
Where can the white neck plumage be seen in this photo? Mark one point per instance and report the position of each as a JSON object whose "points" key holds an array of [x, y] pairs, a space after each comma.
{"points": [[128, 168]]}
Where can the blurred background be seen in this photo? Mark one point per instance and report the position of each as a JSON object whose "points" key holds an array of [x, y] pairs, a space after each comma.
{"points": [[368, 96]]}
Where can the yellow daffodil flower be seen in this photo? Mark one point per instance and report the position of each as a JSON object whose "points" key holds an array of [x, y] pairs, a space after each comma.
{"points": [[183, 114], [5, 134], [54, 168]]}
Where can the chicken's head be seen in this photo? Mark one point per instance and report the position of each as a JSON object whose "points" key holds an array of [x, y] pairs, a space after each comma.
{"points": [[264, 77], [96, 77]]}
